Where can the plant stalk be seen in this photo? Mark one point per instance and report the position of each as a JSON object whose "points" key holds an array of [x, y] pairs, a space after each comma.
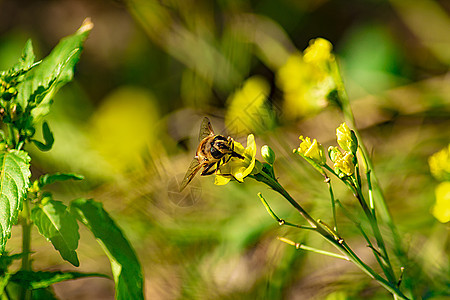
{"points": [[340, 244], [381, 205], [26, 246]]}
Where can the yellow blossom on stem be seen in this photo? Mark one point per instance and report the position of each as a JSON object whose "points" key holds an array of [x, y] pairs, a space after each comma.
{"points": [[318, 52], [346, 138], [440, 164], [248, 107], [307, 79], [343, 163], [238, 168], [313, 150], [441, 209]]}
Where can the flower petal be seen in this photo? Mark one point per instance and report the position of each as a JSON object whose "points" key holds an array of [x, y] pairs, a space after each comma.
{"points": [[236, 167], [221, 180]]}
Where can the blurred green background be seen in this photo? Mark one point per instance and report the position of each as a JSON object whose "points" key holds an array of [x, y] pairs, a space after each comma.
{"points": [[149, 73]]}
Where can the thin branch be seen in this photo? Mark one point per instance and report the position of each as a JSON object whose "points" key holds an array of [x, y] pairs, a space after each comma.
{"points": [[311, 249]]}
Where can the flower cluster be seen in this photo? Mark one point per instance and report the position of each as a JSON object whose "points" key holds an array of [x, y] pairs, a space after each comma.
{"points": [[343, 162], [440, 168], [248, 108], [439, 164], [441, 209], [307, 80]]}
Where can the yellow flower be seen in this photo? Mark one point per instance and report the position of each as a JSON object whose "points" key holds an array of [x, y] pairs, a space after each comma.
{"points": [[441, 209], [306, 80], [440, 164], [342, 162], [248, 108], [238, 168], [313, 150], [318, 52], [346, 139]]}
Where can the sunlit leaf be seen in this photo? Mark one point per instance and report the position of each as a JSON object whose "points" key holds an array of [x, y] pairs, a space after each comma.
{"points": [[55, 70], [40, 279], [51, 178], [59, 226], [14, 182], [48, 138], [26, 61], [125, 265]]}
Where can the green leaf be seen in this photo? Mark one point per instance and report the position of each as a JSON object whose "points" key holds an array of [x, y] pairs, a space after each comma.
{"points": [[4, 280], [55, 70], [14, 182], [125, 265], [51, 178], [26, 62], [44, 294], [59, 226], [40, 279], [7, 260], [48, 138]]}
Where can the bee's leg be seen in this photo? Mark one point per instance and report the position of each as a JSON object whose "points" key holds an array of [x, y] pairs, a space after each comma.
{"points": [[207, 171], [228, 159], [235, 154]]}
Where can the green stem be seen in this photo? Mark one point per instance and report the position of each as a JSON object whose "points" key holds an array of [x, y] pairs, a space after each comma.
{"points": [[370, 189], [26, 237], [381, 205], [357, 192], [26, 246], [340, 244], [12, 135], [386, 264], [266, 178], [311, 249], [280, 221], [359, 226], [358, 175], [333, 201]]}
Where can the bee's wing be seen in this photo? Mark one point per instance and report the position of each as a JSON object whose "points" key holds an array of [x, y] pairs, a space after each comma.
{"points": [[190, 173], [205, 129]]}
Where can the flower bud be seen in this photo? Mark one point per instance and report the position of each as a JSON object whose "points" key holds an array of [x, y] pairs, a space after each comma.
{"points": [[268, 154], [333, 153], [346, 138]]}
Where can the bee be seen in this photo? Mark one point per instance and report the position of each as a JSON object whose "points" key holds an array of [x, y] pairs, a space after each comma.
{"points": [[212, 150]]}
